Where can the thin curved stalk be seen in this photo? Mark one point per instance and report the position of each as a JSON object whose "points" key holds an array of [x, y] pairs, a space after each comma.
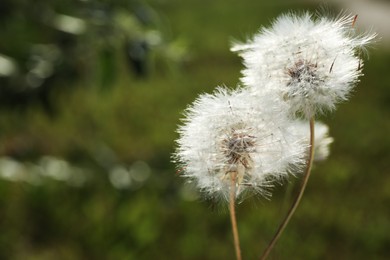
{"points": [[298, 198], [233, 215]]}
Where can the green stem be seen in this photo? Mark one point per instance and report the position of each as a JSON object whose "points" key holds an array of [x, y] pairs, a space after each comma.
{"points": [[298, 198]]}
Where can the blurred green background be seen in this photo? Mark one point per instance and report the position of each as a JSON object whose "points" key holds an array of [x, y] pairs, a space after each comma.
{"points": [[91, 93]]}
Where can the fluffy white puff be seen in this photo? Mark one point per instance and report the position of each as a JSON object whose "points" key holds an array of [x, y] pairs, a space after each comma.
{"points": [[231, 131], [312, 62], [322, 140]]}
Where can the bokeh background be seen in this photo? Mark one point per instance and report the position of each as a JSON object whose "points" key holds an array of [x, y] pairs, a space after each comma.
{"points": [[91, 93]]}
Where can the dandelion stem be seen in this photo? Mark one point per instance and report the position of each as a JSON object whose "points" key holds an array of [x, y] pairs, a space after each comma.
{"points": [[299, 195], [233, 219]]}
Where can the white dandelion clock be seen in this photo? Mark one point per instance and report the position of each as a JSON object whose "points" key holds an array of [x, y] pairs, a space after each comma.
{"points": [[322, 140], [312, 62], [227, 133]]}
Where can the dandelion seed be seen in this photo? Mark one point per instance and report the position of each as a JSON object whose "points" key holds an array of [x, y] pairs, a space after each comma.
{"points": [[313, 63]]}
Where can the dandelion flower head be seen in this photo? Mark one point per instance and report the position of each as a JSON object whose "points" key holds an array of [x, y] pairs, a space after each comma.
{"points": [[313, 62], [227, 132], [322, 140]]}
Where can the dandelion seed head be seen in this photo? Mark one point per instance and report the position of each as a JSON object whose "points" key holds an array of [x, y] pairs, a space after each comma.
{"points": [[229, 132], [322, 140], [313, 62]]}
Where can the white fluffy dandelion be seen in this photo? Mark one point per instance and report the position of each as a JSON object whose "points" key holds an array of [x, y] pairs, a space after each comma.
{"points": [[312, 62], [322, 140], [228, 132]]}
